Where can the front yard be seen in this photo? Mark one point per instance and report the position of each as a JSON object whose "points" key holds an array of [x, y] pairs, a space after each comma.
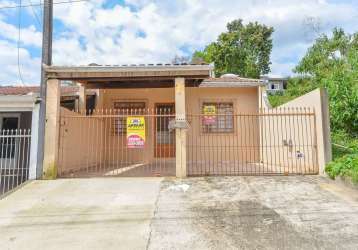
{"points": [[295, 212]]}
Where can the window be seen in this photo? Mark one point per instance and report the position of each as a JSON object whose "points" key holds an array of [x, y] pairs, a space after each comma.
{"points": [[68, 102], [218, 117], [125, 108]]}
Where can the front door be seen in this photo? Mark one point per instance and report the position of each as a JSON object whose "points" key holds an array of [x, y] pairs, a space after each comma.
{"points": [[164, 140]]}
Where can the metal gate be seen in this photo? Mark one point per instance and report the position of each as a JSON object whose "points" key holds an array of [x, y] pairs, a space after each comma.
{"points": [[270, 142], [117, 142], [14, 158]]}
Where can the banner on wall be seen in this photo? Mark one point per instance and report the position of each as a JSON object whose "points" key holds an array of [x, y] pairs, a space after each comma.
{"points": [[135, 132], [209, 114]]}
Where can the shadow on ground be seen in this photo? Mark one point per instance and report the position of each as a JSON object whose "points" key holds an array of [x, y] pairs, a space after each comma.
{"points": [[252, 213]]}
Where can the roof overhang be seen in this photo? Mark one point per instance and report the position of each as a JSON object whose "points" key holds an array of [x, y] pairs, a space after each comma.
{"points": [[12, 103], [130, 76]]}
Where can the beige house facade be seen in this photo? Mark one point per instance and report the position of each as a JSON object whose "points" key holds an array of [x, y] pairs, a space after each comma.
{"points": [[192, 124]]}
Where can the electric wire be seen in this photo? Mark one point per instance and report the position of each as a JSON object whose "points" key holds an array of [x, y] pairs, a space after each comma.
{"points": [[41, 4], [18, 45]]}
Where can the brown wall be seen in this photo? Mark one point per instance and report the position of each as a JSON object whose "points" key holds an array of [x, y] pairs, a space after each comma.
{"points": [[241, 145], [245, 133], [81, 142], [116, 145], [219, 149], [317, 100], [288, 140]]}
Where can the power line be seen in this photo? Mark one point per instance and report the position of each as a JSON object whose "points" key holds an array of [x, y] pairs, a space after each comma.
{"points": [[41, 4], [35, 13], [18, 45]]}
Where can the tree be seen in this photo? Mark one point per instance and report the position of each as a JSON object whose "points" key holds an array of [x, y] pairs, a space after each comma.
{"points": [[180, 59], [244, 50], [333, 63]]}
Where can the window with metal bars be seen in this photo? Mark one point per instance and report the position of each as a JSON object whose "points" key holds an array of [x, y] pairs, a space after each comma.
{"points": [[125, 109], [221, 120]]}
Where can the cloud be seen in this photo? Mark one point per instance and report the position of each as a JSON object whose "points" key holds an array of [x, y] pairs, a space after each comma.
{"points": [[143, 31], [29, 36], [29, 66]]}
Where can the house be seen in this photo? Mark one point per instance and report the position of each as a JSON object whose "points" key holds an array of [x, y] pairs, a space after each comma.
{"points": [[19, 114], [177, 120], [274, 84]]}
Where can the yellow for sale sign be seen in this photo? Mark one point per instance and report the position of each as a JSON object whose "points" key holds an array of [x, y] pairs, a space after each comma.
{"points": [[135, 132], [209, 114]]}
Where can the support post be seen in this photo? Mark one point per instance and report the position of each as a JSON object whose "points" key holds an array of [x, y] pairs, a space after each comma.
{"points": [[180, 133], [46, 60], [82, 98], [51, 129], [34, 142]]}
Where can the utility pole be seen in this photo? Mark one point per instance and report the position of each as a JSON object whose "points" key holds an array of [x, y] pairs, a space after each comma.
{"points": [[46, 60]]}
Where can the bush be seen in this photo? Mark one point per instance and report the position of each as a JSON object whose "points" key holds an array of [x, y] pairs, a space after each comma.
{"points": [[344, 166], [345, 156]]}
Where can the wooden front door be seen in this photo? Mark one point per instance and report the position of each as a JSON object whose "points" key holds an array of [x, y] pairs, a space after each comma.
{"points": [[164, 142]]}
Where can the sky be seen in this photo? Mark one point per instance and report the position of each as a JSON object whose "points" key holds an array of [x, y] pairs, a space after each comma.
{"points": [[143, 31]]}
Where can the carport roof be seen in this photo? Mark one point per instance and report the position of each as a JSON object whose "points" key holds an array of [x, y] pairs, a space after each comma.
{"points": [[129, 72]]}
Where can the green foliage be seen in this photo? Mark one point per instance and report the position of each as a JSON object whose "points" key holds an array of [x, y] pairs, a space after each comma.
{"points": [[244, 50], [343, 144], [345, 156], [333, 63], [344, 166]]}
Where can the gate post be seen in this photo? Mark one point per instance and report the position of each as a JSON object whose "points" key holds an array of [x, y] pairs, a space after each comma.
{"points": [[51, 129], [82, 99], [180, 133]]}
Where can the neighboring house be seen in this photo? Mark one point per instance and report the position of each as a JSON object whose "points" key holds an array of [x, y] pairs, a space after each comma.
{"points": [[275, 84], [176, 120], [19, 114]]}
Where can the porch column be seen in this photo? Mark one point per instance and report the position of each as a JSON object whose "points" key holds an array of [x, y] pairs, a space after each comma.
{"points": [[180, 133], [82, 98], [51, 129]]}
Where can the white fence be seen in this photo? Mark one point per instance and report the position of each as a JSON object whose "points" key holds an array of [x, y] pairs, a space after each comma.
{"points": [[14, 158]]}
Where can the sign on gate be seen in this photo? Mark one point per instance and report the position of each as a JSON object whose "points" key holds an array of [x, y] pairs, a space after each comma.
{"points": [[209, 114], [135, 132]]}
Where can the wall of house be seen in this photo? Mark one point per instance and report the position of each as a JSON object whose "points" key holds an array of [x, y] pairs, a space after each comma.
{"points": [[104, 147], [288, 140], [309, 135], [219, 149], [245, 133], [25, 120], [116, 151], [81, 143]]}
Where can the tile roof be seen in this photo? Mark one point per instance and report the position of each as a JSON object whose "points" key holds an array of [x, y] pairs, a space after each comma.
{"points": [[26, 90], [143, 65], [234, 81]]}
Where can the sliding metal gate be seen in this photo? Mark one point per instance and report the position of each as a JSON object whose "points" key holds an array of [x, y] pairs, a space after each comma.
{"points": [[14, 158], [100, 143], [270, 142]]}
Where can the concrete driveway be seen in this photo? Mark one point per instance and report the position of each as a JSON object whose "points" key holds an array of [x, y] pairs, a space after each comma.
{"points": [[196, 213]]}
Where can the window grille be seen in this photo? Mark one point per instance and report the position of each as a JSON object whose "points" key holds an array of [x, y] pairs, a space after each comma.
{"points": [[222, 121], [126, 108]]}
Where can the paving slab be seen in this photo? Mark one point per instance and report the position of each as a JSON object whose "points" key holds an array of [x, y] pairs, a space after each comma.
{"points": [[279, 212], [296, 212], [97, 213]]}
